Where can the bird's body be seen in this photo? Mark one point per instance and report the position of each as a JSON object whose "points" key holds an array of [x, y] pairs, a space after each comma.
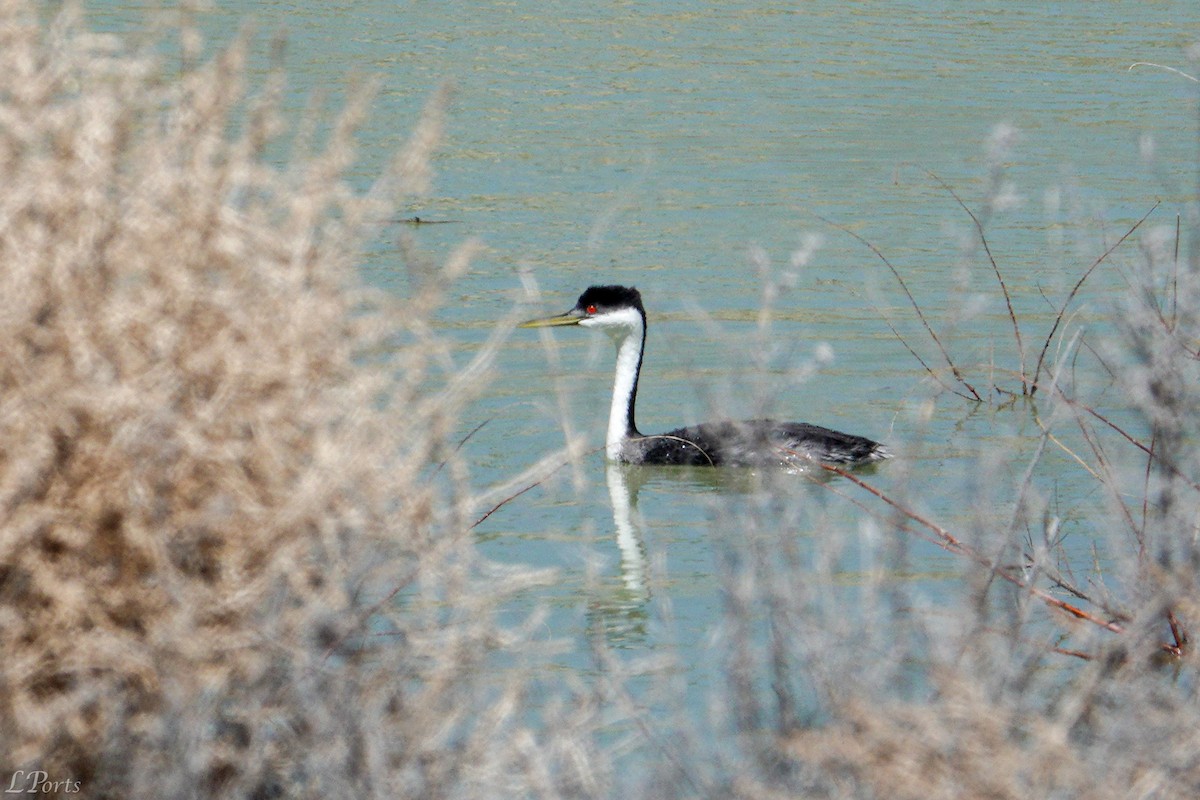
{"points": [[761, 442], [750, 443]]}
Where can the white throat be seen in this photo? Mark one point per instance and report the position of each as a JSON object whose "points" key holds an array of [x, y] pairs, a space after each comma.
{"points": [[629, 353], [627, 329]]}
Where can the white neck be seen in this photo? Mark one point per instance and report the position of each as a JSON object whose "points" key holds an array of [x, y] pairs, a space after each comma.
{"points": [[620, 416], [628, 331]]}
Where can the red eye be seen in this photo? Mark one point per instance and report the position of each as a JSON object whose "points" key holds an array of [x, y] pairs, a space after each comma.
{"points": [[591, 309]]}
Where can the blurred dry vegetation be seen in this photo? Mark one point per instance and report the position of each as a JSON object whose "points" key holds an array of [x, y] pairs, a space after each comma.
{"points": [[235, 544], [209, 478]]}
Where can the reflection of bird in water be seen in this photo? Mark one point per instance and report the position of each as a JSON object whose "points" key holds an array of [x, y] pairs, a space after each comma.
{"points": [[618, 311], [629, 542]]}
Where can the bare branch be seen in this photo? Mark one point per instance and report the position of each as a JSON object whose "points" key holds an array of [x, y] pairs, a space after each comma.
{"points": [[920, 315]]}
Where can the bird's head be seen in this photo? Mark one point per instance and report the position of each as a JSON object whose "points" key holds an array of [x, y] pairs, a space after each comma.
{"points": [[616, 310]]}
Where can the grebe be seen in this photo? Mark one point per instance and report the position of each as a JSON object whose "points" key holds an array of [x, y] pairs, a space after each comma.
{"points": [[618, 311]]}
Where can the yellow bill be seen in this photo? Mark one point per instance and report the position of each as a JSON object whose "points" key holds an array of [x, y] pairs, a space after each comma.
{"points": [[568, 318]]}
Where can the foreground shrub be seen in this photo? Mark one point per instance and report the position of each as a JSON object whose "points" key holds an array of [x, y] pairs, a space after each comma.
{"points": [[215, 496]]}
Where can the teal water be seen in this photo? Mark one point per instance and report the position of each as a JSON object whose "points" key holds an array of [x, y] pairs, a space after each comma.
{"points": [[699, 151]]}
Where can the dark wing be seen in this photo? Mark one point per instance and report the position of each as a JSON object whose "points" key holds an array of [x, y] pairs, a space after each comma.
{"points": [[826, 445], [757, 442]]}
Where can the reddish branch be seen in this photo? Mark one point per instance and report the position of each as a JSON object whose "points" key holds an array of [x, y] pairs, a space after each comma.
{"points": [[954, 544], [1178, 633], [1178, 647]]}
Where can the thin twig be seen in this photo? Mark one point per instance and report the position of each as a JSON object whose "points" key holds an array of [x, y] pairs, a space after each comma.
{"points": [[1062, 651], [920, 315], [508, 500], [1146, 491], [460, 444], [1163, 66], [1175, 279], [920, 360], [950, 541], [899, 523], [1012, 315], [1110, 483], [1075, 290], [412, 574], [1170, 467], [1178, 632]]}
